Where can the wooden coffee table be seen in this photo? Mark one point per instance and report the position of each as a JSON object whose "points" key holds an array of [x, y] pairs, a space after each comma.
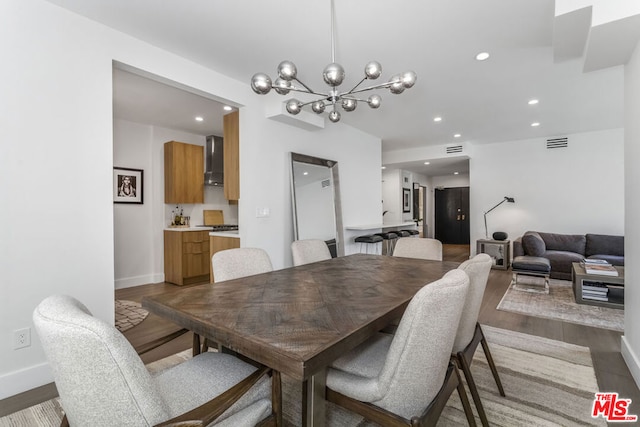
{"points": [[615, 284]]}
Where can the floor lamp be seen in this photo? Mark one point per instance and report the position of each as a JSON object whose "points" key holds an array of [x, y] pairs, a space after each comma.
{"points": [[506, 199]]}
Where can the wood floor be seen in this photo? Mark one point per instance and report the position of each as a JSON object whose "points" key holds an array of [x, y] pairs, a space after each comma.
{"points": [[611, 371]]}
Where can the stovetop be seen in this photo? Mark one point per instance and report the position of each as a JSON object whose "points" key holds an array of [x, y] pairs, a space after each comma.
{"points": [[224, 227]]}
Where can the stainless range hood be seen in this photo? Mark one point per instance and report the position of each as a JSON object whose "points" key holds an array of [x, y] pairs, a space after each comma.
{"points": [[214, 164]]}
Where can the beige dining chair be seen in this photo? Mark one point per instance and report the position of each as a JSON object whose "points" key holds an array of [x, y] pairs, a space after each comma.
{"points": [[233, 264], [102, 381], [421, 248], [239, 262], [469, 333], [308, 251], [407, 378]]}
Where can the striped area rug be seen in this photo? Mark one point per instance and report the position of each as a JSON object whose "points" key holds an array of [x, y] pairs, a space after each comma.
{"points": [[560, 304], [547, 383]]}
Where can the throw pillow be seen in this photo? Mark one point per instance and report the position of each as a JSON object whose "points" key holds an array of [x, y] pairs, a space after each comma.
{"points": [[533, 244]]}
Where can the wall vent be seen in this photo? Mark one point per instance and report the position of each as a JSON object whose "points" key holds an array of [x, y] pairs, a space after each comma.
{"points": [[557, 143], [454, 149], [326, 183]]}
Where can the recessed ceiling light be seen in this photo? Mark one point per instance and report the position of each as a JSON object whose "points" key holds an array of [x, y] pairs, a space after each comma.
{"points": [[533, 101], [535, 124], [457, 135], [437, 119], [456, 173], [199, 119], [384, 167], [482, 56], [227, 108], [305, 173], [427, 163]]}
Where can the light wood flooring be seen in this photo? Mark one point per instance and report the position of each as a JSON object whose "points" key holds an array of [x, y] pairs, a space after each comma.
{"points": [[611, 371]]}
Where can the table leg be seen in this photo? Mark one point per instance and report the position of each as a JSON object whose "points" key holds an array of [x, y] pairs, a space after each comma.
{"points": [[313, 400]]}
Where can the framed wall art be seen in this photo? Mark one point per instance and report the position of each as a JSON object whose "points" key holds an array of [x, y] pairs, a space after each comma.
{"points": [[127, 185], [406, 200]]}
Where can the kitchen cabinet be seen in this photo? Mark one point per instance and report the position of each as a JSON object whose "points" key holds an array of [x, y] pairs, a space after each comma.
{"points": [[220, 243], [231, 123], [186, 256], [183, 173]]}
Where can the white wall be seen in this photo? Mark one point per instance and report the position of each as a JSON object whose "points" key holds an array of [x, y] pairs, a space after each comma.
{"points": [[138, 229], [392, 195], [631, 338], [579, 189], [56, 177]]}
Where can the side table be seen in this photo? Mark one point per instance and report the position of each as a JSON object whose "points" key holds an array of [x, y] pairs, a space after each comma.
{"points": [[499, 250]]}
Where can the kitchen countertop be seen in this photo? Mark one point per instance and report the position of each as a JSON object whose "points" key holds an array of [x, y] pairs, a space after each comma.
{"points": [[375, 226], [231, 233], [188, 228]]}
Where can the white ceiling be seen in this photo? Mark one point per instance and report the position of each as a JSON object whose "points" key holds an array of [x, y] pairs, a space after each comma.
{"points": [[483, 101]]}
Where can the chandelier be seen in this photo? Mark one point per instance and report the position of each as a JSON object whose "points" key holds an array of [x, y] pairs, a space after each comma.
{"points": [[333, 75]]}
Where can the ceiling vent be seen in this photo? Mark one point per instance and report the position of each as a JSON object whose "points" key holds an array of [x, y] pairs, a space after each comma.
{"points": [[453, 149], [557, 143]]}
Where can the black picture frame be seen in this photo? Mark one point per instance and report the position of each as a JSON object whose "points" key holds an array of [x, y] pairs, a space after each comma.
{"points": [[406, 200], [128, 185]]}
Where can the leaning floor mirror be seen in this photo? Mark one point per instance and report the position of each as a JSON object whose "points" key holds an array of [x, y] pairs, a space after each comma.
{"points": [[317, 211]]}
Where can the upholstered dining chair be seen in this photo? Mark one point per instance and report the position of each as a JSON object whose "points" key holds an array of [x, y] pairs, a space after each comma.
{"points": [[469, 333], [239, 262], [233, 264], [308, 251], [407, 378], [422, 248], [103, 382]]}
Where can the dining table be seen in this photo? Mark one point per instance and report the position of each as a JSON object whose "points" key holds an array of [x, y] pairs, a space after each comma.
{"points": [[299, 320]]}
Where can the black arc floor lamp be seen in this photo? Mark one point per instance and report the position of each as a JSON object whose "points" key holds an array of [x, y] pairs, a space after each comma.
{"points": [[506, 199]]}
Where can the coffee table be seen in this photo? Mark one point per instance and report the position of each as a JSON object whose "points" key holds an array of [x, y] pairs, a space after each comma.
{"points": [[615, 285]]}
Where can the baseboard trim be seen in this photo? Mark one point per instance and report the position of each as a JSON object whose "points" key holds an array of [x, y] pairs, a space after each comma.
{"points": [[17, 382], [631, 359], [129, 282]]}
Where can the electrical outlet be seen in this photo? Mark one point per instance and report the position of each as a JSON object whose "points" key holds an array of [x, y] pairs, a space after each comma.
{"points": [[21, 338]]}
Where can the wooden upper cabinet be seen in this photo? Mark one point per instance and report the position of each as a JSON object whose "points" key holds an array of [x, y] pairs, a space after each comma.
{"points": [[183, 173], [231, 124]]}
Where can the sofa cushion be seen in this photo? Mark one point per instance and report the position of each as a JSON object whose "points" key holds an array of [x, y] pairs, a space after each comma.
{"points": [[561, 263], [611, 259], [600, 244], [533, 244], [531, 263], [564, 242]]}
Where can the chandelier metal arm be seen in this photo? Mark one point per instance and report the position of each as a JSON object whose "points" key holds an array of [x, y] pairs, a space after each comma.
{"points": [[345, 96], [380, 86], [306, 87], [311, 102], [305, 90], [356, 86]]}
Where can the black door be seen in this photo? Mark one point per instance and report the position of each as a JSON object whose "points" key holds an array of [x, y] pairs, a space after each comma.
{"points": [[452, 215]]}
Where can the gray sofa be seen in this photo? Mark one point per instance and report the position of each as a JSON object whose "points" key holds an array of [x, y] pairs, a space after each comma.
{"points": [[563, 249]]}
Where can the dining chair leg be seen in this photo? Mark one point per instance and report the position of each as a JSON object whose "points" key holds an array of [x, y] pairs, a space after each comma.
{"points": [[196, 344], [492, 365], [464, 365], [465, 401]]}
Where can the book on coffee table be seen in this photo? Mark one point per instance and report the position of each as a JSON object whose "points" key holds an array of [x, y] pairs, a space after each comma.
{"points": [[595, 261], [600, 269]]}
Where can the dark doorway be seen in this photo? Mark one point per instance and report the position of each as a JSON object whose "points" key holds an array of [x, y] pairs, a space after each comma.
{"points": [[452, 215]]}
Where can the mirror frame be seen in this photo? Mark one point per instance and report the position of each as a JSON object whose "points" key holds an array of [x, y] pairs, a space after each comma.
{"points": [[337, 202]]}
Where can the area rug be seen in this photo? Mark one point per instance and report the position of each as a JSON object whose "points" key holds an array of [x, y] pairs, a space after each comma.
{"points": [[560, 304], [547, 383], [129, 314]]}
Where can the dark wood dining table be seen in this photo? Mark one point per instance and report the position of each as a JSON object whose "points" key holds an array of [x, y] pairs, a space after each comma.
{"points": [[299, 320]]}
